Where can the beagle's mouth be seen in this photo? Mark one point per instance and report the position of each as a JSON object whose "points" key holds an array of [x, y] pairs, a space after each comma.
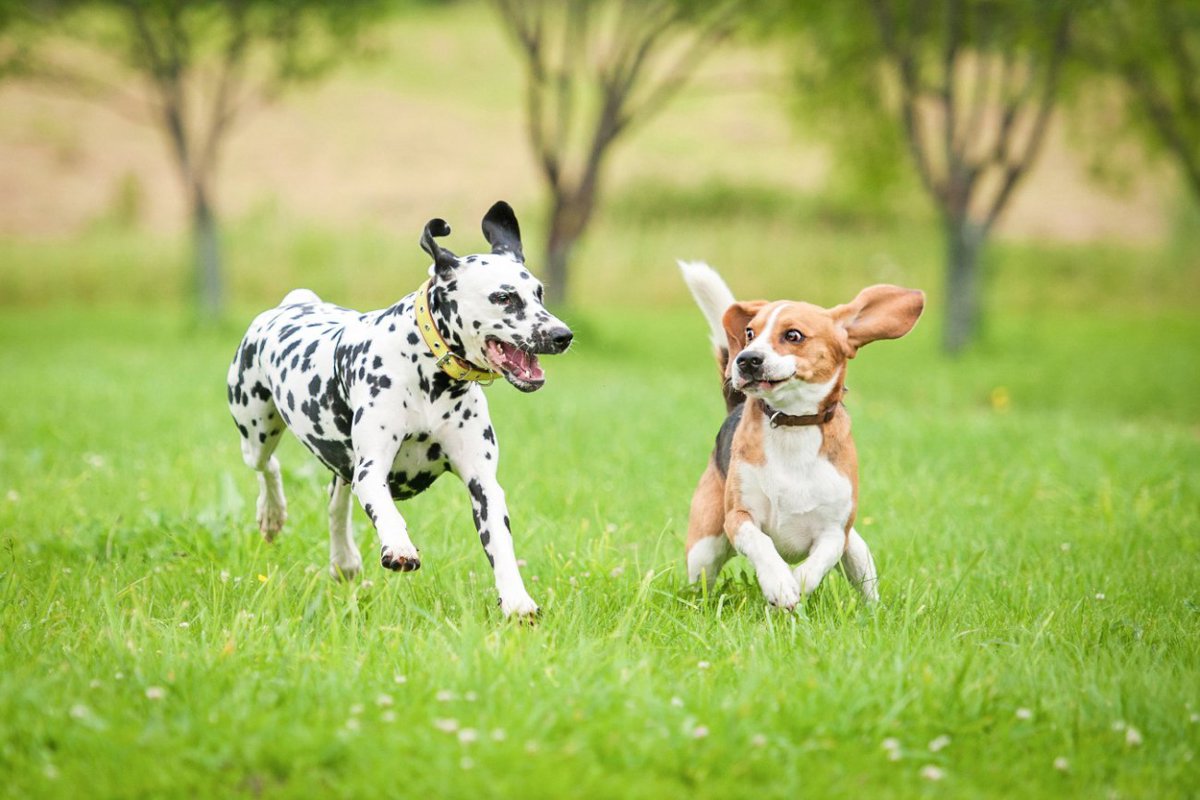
{"points": [[519, 367], [759, 384]]}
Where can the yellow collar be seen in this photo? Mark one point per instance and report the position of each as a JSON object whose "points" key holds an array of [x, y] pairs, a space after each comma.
{"points": [[456, 367]]}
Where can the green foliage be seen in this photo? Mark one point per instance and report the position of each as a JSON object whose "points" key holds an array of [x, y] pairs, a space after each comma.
{"points": [[1153, 49], [1033, 509]]}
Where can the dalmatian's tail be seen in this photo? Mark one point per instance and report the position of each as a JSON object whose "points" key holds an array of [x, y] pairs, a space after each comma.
{"points": [[297, 296]]}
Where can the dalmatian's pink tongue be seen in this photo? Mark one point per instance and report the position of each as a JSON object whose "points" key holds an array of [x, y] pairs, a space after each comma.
{"points": [[515, 361]]}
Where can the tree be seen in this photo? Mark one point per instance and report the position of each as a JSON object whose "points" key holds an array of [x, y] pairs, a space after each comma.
{"points": [[595, 71], [970, 86], [1153, 47], [203, 65]]}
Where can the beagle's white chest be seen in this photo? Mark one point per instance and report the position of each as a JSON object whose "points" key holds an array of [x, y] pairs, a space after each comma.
{"points": [[796, 495]]}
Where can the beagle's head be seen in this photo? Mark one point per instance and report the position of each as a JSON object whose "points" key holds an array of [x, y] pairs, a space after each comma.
{"points": [[792, 354]]}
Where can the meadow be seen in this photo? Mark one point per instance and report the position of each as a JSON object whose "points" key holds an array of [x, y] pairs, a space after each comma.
{"points": [[1033, 505]]}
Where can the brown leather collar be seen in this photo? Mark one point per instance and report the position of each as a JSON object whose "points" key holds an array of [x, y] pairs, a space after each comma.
{"points": [[778, 418]]}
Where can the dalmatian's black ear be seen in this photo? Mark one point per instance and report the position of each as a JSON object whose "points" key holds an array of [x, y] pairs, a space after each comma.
{"points": [[502, 232], [443, 260]]}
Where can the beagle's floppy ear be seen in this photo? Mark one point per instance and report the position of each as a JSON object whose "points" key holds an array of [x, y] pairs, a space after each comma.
{"points": [[443, 260], [736, 317], [879, 312], [502, 232]]}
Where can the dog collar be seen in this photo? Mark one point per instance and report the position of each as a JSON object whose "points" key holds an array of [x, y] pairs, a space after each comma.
{"points": [[778, 418], [453, 365]]}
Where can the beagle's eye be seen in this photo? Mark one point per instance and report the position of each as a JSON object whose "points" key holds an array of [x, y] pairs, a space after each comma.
{"points": [[793, 336], [499, 298], [749, 334]]}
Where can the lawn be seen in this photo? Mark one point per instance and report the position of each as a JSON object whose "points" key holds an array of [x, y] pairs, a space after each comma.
{"points": [[1034, 508]]}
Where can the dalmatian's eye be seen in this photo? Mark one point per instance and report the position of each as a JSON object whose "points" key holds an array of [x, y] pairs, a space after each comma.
{"points": [[499, 298], [749, 334], [793, 336]]}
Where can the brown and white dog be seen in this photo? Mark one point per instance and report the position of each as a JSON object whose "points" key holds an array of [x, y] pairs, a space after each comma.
{"points": [[782, 483]]}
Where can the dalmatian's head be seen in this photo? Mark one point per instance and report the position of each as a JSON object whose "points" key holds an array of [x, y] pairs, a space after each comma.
{"points": [[489, 306]]}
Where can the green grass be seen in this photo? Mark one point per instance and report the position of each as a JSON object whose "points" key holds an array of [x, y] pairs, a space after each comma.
{"points": [[1039, 565]]}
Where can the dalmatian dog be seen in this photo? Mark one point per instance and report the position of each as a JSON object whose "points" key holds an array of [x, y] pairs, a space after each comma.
{"points": [[389, 400]]}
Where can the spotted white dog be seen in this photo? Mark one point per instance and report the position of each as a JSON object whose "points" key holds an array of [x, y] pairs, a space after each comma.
{"points": [[389, 400]]}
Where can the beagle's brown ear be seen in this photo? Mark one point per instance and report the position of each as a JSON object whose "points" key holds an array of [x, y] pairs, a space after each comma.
{"points": [[735, 320], [879, 312]]}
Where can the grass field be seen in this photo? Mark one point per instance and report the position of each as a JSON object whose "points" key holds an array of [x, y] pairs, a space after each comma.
{"points": [[1034, 508]]}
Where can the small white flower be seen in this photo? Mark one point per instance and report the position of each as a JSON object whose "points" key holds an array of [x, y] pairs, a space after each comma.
{"points": [[446, 725], [532, 747], [13, 496], [95, 683], [79, 711], [1024, 713], [1099, 595], [521, 562], [498, 735], [616, 572], [388, 716], [1061, 764], [94, 460], [445, 696], [895, 755], [931, 773], [470, 697], [353, 724], [1118, 725], [356, 709], [939, 744], [119, 676], [468, 735], [1194, 718], [891, 743], [184, 625], [1133, 737], [700, 732], [703, 665], [155, 692], [758, 740], [400, 679], [1065, 547], [677, 702], [224, 576], [383, 700]]}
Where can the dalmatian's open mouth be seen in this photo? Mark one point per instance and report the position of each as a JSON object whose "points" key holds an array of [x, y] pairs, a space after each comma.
{"points": [[519, 367]]}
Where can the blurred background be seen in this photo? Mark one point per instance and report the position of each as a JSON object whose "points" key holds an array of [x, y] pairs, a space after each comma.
{"points": [[1011, 158]]}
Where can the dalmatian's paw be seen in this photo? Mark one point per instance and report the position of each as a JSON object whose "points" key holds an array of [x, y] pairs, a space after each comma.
{"points": [[345, 572], [270, 520], [780, 588], [521, 605], [400, 559]]}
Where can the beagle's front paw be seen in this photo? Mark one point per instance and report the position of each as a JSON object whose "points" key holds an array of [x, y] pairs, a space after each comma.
{"points": [[780, 588]]}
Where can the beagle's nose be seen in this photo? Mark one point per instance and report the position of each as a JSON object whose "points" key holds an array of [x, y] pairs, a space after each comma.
{"points": [[561, 337], [749, 362]]}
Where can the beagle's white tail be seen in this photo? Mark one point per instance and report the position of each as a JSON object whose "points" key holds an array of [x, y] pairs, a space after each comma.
{"points": [[713, 297]]}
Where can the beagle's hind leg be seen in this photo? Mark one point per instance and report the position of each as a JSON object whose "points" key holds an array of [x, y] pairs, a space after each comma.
{"points": [[708, 548]]}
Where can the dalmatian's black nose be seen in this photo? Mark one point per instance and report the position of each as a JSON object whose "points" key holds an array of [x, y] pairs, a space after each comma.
{"points": [[561, 337]]}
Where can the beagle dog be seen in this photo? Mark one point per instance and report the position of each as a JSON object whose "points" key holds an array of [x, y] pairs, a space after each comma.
{"points": [[782, 484]]}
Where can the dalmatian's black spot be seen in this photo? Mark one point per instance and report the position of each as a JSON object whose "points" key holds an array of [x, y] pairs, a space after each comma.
{"points": [[476, 490], [262, 437], [489, 434], [314, 386], [260, 391], [242, 429], [413, 338]]}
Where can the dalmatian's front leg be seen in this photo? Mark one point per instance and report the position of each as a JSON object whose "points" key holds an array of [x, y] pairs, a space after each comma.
{"points": [[473, 453], [371, 468]]}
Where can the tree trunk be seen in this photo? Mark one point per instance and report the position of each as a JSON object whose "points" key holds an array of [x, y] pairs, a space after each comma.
{"points": [[569, 216], [206, 256], [964, 243]]}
